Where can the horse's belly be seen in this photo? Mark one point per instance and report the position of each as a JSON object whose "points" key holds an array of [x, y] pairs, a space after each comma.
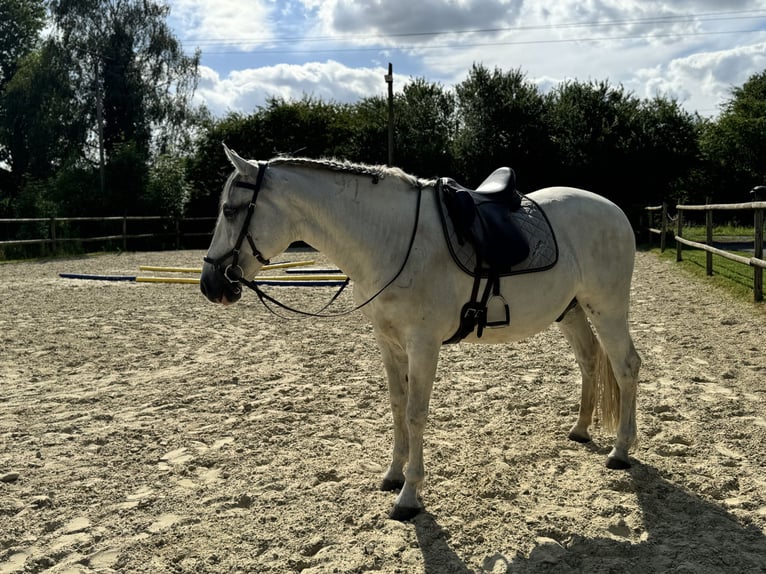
{"points": [[508, 334]]}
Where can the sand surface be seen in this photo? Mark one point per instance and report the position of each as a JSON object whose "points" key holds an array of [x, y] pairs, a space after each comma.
{"points": [[143, 429]]}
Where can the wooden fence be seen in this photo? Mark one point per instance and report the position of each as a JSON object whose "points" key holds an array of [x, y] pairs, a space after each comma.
{"points": [[54, 237], [756, 262]]}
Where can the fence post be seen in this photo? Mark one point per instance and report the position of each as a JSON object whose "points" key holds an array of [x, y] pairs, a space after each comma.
{"points": [[663, 226], [648, 214], [679, 233], [708, 239], [758, 252], [124, 232], [178, 233], [759, 194], [53, 234]]}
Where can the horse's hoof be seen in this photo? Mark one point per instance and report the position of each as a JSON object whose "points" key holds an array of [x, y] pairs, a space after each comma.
{"points": [[582, 439], [388, 485], [617, 464], [402, 513]]}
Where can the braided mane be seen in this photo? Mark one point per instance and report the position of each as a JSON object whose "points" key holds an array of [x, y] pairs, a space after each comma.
{"points": [[374, 171]]}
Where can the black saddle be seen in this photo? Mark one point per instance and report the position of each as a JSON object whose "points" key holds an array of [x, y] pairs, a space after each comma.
{"points": [[482, 217], [492, 231]]}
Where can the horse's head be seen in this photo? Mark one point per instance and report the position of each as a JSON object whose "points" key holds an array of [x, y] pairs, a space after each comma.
{"points": [[244, 236]]}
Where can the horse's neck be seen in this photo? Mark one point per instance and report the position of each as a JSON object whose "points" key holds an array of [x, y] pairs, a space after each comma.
{"points": [[363, 227]]}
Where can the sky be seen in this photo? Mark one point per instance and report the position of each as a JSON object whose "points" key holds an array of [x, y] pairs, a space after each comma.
{"points": [[693, 51]]}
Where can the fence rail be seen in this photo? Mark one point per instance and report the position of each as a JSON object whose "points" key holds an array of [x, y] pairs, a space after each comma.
{"points": [[756, 262], [54, 238]]}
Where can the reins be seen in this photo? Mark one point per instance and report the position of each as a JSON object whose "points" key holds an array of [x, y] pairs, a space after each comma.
{"points": [[263, 297]]}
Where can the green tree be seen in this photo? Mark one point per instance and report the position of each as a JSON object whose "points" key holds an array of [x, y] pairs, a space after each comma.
{"points": [[369, 131], [168, 190], [734, 145], [425, 129], [667, 152], [502, 121], [596, 129], [309, 127], [133, 83], [40, 131], [20, 24]]}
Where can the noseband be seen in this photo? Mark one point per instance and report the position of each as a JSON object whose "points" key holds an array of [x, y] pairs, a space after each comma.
{"points": [[233, 272]]}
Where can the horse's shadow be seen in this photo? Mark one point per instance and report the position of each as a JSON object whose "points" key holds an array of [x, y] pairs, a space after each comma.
{"points": [[701, 537], [438, 557]]}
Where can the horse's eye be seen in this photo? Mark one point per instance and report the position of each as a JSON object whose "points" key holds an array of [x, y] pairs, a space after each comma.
{"points": [[228, 211]]}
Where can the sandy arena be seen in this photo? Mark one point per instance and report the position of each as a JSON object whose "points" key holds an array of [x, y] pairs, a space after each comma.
{"points": [[145, 430]]}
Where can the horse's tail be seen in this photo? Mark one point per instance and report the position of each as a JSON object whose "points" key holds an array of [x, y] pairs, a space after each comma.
{"points": [[607, 391]]}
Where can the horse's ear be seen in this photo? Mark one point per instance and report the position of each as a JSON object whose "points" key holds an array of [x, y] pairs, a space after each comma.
{"points": [[240, 164]]}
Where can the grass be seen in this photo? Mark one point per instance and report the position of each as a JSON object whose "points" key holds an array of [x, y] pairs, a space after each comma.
{"points": [[698, 232], [729, 277], [734, 278]]}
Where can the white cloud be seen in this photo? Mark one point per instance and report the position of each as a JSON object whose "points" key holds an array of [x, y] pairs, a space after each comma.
{"points": [[245, 24], [704, 80], [244, 90]]}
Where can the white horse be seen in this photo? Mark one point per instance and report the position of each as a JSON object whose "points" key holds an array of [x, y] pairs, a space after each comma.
{"points": [[371, 222]]}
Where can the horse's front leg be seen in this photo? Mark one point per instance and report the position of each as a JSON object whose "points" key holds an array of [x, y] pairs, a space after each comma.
{"points": [[396, 365], [422, 361]]}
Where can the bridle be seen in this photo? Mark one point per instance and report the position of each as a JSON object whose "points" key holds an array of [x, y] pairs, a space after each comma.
{"points": [[234, 274]]}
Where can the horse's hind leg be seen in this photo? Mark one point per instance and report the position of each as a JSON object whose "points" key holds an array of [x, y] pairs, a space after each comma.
{"points": [[578, 332], [614, 336]]}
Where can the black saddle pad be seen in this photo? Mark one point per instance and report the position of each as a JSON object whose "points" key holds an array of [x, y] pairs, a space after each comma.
{"points": [[528, 229]]}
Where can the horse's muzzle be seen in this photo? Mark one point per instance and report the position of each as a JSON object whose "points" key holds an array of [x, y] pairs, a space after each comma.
{"points": [[217, 288]]}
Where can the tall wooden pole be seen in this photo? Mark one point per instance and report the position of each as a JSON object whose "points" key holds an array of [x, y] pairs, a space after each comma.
{"points": [[100, 130], [390, 81]]}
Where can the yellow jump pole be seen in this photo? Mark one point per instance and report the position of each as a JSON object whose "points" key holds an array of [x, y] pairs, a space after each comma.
{"points": [[287, 264], [284, 265], [333, 277], [170, 269]]}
